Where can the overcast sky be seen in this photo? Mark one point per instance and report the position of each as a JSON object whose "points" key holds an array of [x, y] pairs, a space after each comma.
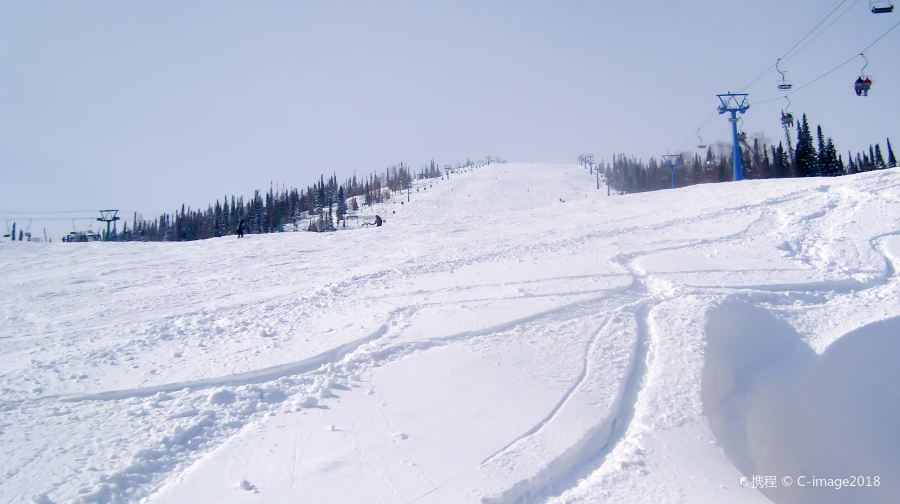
{"points": [[145, 105]]}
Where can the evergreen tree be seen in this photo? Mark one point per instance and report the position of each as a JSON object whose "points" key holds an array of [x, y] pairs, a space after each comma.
{"points": [[892, 161], [805, 153], [341, 204], [320, 196], [766, 168], [822, 168], [851, 166], [878, 159], [829, 161]]}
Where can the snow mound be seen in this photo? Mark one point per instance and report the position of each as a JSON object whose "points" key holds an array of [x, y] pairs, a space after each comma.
{"points": [[778, 408]]}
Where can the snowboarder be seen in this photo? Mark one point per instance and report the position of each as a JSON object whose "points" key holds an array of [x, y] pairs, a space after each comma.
{"points": [[378, 221], [240, 229]]}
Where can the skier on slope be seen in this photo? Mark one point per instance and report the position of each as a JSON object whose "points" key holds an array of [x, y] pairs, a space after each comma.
{"points": [[240, 229], [378, 221]]}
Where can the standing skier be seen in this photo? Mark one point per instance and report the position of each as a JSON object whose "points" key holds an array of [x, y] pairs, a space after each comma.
{"points": [[240, 229]]}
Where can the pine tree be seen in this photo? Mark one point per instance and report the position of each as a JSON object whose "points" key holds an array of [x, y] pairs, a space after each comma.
{"points": [[878, 159], [822, 168], [892, 161], [766, 168], [805, 153], [341, 204], [851, 166], [829, 161], [320, 197]]}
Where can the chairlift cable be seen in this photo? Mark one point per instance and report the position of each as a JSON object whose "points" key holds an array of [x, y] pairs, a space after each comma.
{"points": [[8, 212], [788, 52], [881, 37], [690, 139], [791, 52], [836, 68], [814, 28], [47, 218], [823, 30]]}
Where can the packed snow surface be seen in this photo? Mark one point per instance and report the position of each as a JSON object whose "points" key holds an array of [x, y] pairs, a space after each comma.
{"points": [[511, 334]]}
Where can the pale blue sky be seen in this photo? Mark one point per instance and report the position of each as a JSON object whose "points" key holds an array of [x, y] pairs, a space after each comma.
{"points": [[144, 105]]}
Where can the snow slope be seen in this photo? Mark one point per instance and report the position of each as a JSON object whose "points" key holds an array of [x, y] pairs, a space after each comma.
{"points": [[520, 337]]}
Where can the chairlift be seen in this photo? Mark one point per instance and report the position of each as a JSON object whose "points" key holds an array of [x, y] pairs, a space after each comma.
{"points": [[787, 118], [784, 85], [863, 82], [742, 135], [881, 6], [700, 145]]}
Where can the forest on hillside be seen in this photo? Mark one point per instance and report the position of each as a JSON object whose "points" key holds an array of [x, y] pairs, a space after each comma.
{"points": [[815, 155], [327, 201]]}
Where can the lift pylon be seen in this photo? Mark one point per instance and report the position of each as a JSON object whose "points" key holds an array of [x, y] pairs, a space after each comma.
{"points": [[734, 104]]}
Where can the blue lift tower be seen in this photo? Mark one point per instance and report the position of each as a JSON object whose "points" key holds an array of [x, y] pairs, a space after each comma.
{"points": [[735, 103], [672, 162]]}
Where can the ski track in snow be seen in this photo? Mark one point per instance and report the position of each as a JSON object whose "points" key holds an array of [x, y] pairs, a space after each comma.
{"points": [[180, 422]]}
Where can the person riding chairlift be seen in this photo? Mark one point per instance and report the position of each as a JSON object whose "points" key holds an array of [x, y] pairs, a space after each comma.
{"points": [[787, 119], [862, 86]]}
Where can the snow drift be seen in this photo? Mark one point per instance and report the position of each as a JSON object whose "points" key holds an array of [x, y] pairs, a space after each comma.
{"points": [[778, 408]]}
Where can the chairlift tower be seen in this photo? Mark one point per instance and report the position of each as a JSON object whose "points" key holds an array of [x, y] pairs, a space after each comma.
{"points": [[672, 161], [734, 104], [108, 216]]}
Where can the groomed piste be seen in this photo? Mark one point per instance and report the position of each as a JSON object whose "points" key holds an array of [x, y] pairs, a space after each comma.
{"points": [[510, 335]]}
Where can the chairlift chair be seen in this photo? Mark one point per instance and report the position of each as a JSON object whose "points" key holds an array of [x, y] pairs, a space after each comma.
{"points": [[787, 118], [700, 145], [881, 6], [784, 85], [863, 83], [742, 135]]}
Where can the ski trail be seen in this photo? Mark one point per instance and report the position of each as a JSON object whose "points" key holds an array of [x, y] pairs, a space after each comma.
{"points": [[580, 459], [589, 350], [589, 453], [251, 377], [249, 391]]}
